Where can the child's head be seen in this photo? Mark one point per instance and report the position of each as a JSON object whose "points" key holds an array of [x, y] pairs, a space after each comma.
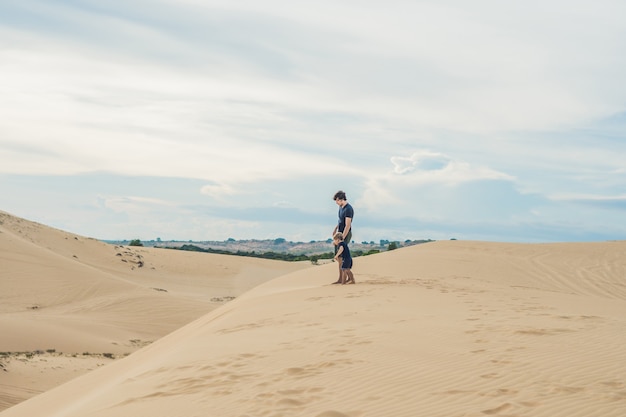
{"points": [[338, 237]]}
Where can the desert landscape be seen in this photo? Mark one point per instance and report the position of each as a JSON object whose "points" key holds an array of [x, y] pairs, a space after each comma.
{"points": [[70, 304], [446, 328]]}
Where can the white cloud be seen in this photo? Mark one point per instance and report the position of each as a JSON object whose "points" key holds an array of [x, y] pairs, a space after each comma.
{"points": [[420, 161], [133, 204], [590, 198], [218, 191], [426, 166], [431, 184], [284, 204]]}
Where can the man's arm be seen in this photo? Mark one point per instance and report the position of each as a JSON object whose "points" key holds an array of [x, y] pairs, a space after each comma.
{"points": [[347, 228], [339, 252]]}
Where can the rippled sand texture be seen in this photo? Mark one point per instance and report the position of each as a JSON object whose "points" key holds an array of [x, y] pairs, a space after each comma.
{"points": [[448, 328]]}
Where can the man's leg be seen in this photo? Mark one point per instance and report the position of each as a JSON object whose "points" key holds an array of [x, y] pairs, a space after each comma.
{"points": [[350, 275]]}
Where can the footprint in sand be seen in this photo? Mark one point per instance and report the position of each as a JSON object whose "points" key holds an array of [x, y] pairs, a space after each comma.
{"points": [[498, 409]]}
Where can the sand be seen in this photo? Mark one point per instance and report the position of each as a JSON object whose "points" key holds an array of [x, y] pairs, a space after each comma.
{"points": [[451, 328], [66, 301]]}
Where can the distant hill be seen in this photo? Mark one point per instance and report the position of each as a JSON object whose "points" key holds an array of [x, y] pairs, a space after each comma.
{"points": [[278, 245]]}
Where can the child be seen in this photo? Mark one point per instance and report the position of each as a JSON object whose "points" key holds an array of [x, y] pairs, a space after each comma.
{"points": [[343, 256]]}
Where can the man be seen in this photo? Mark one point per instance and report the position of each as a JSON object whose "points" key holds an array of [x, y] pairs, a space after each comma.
{"points": [[344, 225]]}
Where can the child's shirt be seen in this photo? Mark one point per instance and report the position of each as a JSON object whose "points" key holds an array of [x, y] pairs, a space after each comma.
{"points": [[346, 252]]}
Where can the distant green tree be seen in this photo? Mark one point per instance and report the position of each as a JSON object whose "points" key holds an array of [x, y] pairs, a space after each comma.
{"points": [[279, 240], [392, 246], [135, 242]]}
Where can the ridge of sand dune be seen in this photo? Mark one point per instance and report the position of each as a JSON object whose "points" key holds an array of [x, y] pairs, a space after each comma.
{"points": [[64, 295], [441, 329]]}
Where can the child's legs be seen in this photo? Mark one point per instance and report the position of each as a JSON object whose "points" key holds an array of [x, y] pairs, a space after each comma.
{"points": [[340, 262]]}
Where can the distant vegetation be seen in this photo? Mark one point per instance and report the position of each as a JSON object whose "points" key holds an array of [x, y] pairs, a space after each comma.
{"points": [[277, 249], [272, 255], [266, 255], [306, 249]]}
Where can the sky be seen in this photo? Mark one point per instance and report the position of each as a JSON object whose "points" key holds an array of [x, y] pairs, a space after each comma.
{"points": [[496, 120]]}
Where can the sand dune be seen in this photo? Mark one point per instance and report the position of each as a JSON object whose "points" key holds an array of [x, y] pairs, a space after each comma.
{"points": [[440, 329], [66, 295]]}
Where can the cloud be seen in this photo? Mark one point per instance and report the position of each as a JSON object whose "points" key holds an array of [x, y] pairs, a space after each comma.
{"points": [[438, 113], [218, 191], [617, 202], [421, 161], [429, 186], [428, 166], [133, 204], [459, 78]]}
